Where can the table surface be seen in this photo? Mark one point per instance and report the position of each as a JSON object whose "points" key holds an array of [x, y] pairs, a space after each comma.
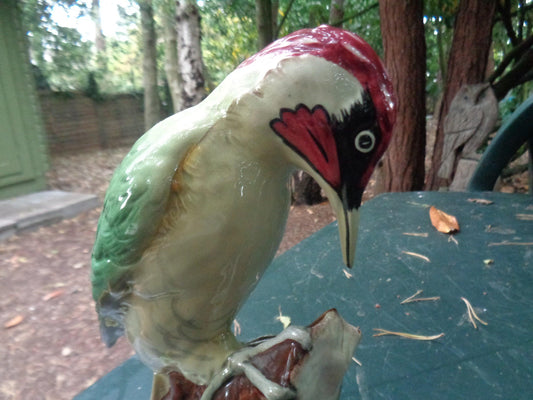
{"points": [[492, 361]]}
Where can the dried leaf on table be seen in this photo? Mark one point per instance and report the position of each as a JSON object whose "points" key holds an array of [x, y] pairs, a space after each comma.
{"points": [[443, 222], [14, 321]]}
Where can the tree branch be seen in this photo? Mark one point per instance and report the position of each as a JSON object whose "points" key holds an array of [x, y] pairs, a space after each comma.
{"points": [[357, 14], [515, 54], [284, 17], [519, 74], [521, 19], [523, 9]]}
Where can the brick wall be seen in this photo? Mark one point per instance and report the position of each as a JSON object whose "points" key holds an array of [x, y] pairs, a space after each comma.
{"points": [[75, 122]]}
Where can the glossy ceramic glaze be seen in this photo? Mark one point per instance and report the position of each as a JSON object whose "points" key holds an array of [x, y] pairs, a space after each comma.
{"points": [[196, 211]]}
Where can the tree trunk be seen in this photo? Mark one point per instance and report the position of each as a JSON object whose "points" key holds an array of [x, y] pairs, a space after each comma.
{"points": [[402, 30], [336, 13], [170, 39], [152, 107], [99, 38], [275, 11], [264, 20], [467, 64], [190, 52]]}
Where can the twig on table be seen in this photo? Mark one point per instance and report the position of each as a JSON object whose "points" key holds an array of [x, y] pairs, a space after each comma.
{"points": [[472, 316], [413, 298], [383, 332], [423, 257], [284, 319], [417, 234], [355, 360], [481, 201], [236, 328], [511, 244]]}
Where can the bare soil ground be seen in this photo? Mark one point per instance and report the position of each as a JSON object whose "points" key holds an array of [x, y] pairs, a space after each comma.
{"points": [[49, 341]]}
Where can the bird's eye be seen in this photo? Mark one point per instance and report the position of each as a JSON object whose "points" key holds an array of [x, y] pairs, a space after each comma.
{"points": [[365, 141]]}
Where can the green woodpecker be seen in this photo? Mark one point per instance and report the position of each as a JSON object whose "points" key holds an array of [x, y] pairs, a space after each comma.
{"points": [[195, 213]]}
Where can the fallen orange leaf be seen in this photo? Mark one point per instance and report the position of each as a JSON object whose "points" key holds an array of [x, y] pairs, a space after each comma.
{"points": [[14, 321], [443, 222], [54, 294]]}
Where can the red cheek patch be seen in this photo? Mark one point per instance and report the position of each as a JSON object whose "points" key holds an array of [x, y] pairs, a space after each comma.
{"points": [[308, 132]]}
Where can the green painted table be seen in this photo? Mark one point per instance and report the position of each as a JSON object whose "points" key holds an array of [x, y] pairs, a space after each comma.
{"points": [[490, 362]]}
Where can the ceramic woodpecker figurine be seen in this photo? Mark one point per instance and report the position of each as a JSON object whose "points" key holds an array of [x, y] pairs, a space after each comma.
{"points": [[194, 214]]}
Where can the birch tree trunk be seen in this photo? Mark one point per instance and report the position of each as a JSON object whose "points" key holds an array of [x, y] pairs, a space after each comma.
{"points": [[170, 40], [99, 39], [402, 29], [467, 64], [152, 107], [190, 52]]}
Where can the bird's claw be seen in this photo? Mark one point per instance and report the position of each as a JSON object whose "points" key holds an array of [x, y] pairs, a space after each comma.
{"points": [[239, 363]]}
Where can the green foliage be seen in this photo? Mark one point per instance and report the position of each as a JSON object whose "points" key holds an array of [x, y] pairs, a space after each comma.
{"points": [[362, 17], [70, 57], [229, 37], [438, 23], [521, 22], [63, 60], [123, 67], [230, 34], [66, 61], [59, 52]]}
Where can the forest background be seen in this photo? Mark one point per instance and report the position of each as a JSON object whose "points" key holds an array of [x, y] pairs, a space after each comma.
{"points": [[173, 53]]}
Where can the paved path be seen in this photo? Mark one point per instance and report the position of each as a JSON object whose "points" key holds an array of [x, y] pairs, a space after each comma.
{"points": [[41, 208]]}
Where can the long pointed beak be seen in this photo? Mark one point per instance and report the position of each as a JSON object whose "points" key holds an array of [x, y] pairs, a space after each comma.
{"points": [[348, 221]]}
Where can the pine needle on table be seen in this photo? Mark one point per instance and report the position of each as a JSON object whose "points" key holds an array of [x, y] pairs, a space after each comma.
{"points": [[421, 256], [384, 332], [472, 316], [413, 298]]}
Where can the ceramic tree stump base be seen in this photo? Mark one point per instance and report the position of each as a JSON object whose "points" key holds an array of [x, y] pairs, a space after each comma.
{"points": [[305, 363]]}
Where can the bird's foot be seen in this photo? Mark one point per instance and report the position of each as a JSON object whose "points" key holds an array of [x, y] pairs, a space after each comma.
{"points": [[306, 363], [248, 362]]}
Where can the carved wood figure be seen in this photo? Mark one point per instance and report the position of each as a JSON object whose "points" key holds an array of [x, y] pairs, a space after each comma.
{"points": [[195, 212], [473, 114]]}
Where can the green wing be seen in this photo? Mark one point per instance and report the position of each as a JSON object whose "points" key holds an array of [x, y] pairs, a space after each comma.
{"points": [[134, 206]]}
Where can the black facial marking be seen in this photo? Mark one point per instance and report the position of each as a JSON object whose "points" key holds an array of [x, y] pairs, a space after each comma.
{"points": [[357, 135]]}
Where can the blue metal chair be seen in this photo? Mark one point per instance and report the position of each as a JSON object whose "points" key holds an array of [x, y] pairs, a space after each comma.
{"points": [[516, 130]]}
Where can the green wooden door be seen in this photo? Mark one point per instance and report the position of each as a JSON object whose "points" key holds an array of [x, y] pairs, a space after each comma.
{"points": [[22, 150]]}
